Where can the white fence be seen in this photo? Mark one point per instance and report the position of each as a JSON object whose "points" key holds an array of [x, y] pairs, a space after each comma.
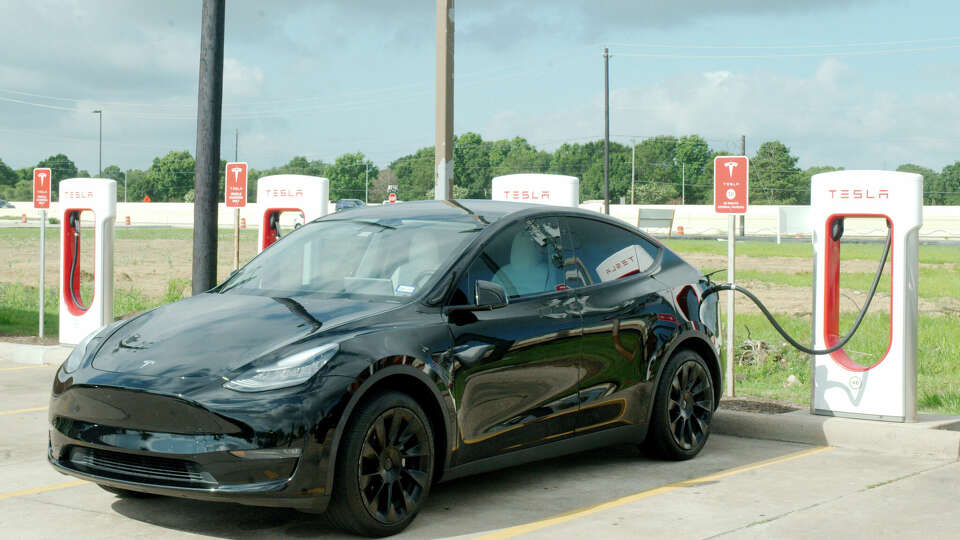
{"points": [[173, 214], [939, 222]]}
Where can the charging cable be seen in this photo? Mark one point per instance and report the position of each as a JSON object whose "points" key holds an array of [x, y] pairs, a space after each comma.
{"points": [[837, 232], [75, 224]]}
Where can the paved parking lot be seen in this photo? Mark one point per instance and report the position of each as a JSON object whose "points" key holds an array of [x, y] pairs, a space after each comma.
{"points": [[737, 488]]}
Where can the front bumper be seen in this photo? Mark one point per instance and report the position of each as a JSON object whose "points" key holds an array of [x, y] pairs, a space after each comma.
{"points": [[145, 441]]}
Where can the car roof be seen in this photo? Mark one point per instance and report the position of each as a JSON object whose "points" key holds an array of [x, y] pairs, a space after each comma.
{"points": [[476, 211]]}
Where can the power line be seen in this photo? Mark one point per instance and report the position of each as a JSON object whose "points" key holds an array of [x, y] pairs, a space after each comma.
{"points": [[801, 46], [787, 55]]}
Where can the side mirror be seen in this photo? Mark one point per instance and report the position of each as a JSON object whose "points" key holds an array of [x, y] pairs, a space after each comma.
{"points": [[490, 295], [487, 295]]}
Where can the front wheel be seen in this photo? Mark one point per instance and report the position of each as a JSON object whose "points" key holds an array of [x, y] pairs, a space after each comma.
{"points": [[683, 408], [384, 467]]}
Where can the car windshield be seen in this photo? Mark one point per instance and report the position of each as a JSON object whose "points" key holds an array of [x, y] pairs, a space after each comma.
{"points": [[382, 260]]}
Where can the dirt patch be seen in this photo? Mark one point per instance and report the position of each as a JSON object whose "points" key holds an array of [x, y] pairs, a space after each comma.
{"points": [[708, 262], [799, 300], [144, 266], [759, 405], [30, 340]]}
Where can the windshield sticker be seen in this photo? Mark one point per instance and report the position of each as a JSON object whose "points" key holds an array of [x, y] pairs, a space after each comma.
{"points": [[405, 289], [626, 262]]}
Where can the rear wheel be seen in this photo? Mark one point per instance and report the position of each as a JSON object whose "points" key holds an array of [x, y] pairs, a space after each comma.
{"points": [[384, 467], [683, 408], [126, 493]]}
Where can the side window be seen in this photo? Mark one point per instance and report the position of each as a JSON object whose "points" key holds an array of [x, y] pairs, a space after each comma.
{"points": [[526, 259], [605, 252]]}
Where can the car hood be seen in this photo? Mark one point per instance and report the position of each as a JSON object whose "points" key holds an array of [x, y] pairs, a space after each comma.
{"points": [[211, 335]]}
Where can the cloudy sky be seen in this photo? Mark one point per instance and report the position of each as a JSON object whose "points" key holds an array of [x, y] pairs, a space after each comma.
{"points": [[853, 83]]}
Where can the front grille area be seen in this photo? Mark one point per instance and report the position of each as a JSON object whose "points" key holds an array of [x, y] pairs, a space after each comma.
{"points": [[138, 468]]}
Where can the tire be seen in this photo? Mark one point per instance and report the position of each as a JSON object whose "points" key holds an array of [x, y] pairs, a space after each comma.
{"points": [[384, 467], [126, 493], [683, 408]]}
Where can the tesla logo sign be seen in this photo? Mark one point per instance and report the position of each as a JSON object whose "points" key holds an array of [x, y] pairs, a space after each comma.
{"points": [[526, 195], [283, 192], [41, 188], [865, 193], [731, 176], [236, 191]]}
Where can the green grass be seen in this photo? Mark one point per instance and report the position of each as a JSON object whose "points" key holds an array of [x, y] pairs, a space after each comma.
{"points": [[19, 314], [929, 253], [938, 358], [934, 282]]}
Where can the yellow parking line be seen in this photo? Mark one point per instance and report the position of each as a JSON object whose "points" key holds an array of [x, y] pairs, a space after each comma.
{"points": [[41, 489], [18, 411], [574, 514], [26, 367]]}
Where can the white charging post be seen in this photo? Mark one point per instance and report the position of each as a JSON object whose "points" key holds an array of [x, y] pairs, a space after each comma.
{"points": [[885, 389], [78, 316], [308, 195], [553, 189]]}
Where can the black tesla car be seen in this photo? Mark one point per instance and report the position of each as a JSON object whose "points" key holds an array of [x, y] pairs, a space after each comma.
{"points": [[369, 354]]}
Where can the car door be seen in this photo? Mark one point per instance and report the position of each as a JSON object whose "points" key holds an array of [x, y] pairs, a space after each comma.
{"points": [[622, 308], [516, 368]]}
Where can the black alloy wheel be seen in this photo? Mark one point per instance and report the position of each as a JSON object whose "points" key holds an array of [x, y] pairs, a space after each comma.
{"points": [[684, 408], [392, 473], [385, 467]]}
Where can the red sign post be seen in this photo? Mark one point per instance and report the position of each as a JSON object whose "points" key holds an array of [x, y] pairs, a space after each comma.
{"points": [[236, 190], [731, 195], [42, 182], [731, 177], [41, 188], [236, 198]]}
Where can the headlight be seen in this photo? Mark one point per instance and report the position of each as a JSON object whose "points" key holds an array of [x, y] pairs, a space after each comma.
{"points": [[290, 371]]}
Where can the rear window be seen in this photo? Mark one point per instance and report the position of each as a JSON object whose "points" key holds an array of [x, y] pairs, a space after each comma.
{"points": [[607, 253]]}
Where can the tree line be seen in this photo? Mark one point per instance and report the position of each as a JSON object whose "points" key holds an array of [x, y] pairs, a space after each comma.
{"points": [[667, 170]]}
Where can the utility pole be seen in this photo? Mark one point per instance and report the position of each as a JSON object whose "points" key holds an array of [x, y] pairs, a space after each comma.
{"points": [[207, 180], [366, 183], [606, 131], [443, 134], [99, 113], [633, 167], [683, 183], [743, 152]]}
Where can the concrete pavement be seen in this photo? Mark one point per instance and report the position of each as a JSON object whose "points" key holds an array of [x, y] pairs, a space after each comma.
{"points": [[737, 488]]}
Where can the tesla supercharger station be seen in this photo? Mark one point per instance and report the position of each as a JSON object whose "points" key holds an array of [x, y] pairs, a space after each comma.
{"points": [[555, 189], [308, 195], [81, 316], [886, 389]]}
